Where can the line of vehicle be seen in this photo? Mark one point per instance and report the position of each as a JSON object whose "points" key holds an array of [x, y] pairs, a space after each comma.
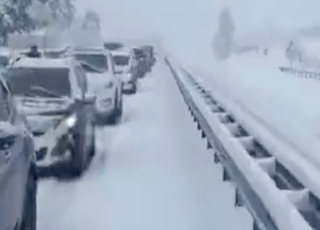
{"points": [[285, 203]]}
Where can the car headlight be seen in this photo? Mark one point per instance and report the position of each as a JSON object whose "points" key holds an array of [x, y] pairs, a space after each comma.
{"points": [[127, 77], [71, 121]]}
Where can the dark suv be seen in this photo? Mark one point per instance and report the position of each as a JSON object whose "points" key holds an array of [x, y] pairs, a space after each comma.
{"points": [[52, 93], [18, 187]]}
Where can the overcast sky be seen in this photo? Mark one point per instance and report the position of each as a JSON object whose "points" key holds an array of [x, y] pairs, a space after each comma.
{"points": [[188, 26]]}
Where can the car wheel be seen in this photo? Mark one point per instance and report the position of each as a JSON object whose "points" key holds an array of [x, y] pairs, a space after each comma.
{"points": [[117, 112], [92, 150], [134, 89], [80, 151], [29, 218]]}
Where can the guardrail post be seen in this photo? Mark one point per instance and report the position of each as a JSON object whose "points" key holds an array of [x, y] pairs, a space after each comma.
{"points": [[255, 226], [238, 199], [203, 134], [216, 158], [225, 175]]}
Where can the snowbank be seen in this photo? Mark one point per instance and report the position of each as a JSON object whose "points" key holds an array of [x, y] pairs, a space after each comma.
{"points": [[284, 213], [283, 111]]}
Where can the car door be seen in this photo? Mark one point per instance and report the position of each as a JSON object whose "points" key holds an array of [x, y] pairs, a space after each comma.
{"points": [[15, 155], [134, 65]]}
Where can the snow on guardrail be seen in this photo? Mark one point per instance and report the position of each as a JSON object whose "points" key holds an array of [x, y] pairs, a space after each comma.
{"points": [[301, 73], [273, 196]]}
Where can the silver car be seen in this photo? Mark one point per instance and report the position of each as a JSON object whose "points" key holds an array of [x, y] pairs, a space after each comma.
{"points": [[18, 187]]}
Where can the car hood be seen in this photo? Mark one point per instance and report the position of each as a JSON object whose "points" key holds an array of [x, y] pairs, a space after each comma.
{"points": [[38, 105], [41, 124], [42, 113]]}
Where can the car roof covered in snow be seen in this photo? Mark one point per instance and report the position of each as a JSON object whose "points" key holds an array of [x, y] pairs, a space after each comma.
{"points": [[122, 52], [87, 50], [42, 63]]}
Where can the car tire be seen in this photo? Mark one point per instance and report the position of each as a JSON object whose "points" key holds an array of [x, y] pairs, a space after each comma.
{"points": [[116, 114], [92, 151], [29, 218], [81, 154], [134, 89]]}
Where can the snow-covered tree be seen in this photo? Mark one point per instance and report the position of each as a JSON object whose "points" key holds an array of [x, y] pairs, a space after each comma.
{"points": [[41, 13], [14, 18], [91, 20], [294, 53], [62, 11], [223, 40]]}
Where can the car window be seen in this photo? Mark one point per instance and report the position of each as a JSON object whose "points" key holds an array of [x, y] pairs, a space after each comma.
{"points": [[138, 53], [97, 60], [5, 109], [89, 68], [121, 60], [113, 45], [50, 82]]}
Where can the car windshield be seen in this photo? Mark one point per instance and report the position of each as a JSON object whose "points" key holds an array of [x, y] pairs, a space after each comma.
{"points": [[39, 82], [138, 53], [121, 60], [89, 68], [53, 54], [97, 60]]}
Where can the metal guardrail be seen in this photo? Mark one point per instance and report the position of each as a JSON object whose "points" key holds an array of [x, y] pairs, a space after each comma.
{"points": [[303, 200], [301, 73]]}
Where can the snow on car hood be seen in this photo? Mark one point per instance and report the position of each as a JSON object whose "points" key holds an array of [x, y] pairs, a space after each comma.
{"points": [[36, 105], [42, 123]]}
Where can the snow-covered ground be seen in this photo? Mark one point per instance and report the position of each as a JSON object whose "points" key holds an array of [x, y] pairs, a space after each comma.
{"points": [[286, 105], [152, 171]]}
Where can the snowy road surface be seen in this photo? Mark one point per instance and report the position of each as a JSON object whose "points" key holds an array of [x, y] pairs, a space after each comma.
{"points": [[151, 172]]}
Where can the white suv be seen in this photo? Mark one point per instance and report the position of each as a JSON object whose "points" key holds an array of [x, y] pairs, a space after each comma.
{"points": [[126, 69], [102, 82]]}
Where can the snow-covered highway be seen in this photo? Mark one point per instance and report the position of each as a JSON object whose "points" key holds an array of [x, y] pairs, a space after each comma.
{"points": [[152, 171]]}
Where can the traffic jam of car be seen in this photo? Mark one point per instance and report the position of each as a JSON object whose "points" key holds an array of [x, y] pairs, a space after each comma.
{"points": [[51, 102]]}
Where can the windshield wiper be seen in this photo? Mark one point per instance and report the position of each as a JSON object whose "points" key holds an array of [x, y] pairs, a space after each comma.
{"points": [[46, 91]]}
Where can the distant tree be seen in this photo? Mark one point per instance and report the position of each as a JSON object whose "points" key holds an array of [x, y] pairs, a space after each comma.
{"points": [[223, 40], [91, 20], [15, 18], [40, 12], [62, 11], [293, 53]]}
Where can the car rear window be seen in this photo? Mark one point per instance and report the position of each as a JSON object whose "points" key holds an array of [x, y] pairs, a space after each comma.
{"points": [[121, 60], [113, 45], [138, 53], [97, 60], [23, 80]]}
